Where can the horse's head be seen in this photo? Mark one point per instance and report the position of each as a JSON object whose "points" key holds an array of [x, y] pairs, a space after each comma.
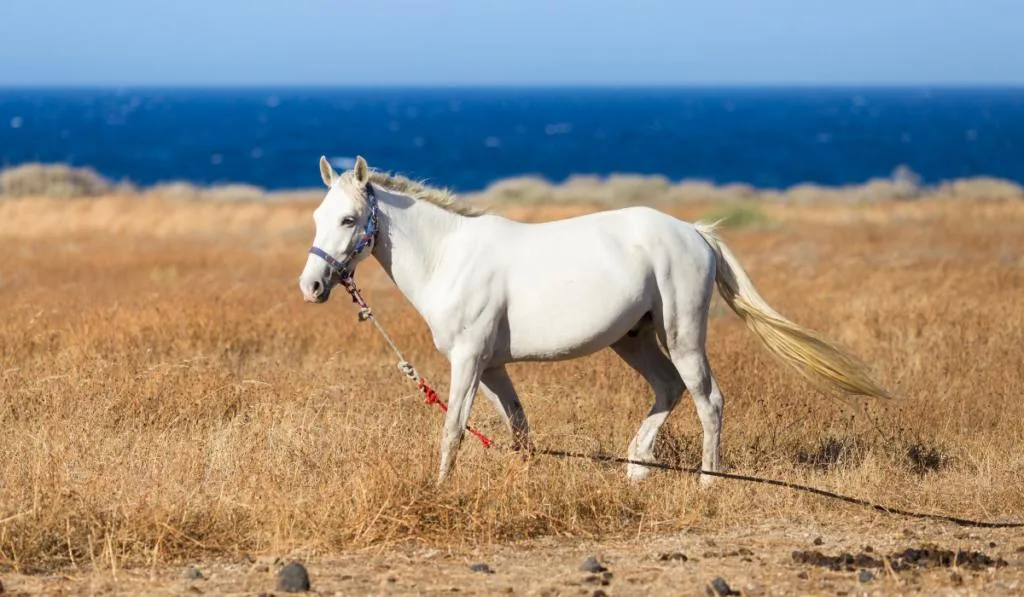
{"points": [[346, 228]]}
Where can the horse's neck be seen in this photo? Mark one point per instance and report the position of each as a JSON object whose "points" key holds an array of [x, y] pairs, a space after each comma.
{"points": [[410, 244]]}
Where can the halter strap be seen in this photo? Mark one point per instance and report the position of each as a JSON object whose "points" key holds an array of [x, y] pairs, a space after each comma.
{"points": [[340, 268]]}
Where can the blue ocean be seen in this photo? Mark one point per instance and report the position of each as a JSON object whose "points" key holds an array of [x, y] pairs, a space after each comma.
{"points": [[468, 138]]}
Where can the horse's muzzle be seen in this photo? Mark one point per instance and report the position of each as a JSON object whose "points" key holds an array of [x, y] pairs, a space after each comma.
{"points": [[317, 291]]}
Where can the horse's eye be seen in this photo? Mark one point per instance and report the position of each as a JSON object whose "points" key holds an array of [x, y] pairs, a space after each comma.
{"points": [[348, 221]]}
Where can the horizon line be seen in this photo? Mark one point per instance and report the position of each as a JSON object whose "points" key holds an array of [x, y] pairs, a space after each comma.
{"points": [[517, 85]]}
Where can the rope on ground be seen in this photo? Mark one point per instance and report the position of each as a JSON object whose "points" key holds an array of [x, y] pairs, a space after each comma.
{"points": [[788, 485], [365, 314]]}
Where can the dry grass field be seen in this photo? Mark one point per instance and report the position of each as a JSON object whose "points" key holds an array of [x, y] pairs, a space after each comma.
{"points": [[167, 399]]}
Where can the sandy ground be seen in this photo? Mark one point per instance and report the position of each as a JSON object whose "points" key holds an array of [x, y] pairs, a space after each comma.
{"points": [[752, 561]]}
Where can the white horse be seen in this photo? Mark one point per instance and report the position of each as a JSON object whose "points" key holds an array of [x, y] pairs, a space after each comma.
{"points": [[495, 291]]}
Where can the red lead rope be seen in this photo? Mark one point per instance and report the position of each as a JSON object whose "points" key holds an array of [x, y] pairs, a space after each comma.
{"points": [[405, 366], [432, 398]]}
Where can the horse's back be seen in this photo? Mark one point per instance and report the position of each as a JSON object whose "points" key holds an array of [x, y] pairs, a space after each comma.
{"points": [[628, 244]]}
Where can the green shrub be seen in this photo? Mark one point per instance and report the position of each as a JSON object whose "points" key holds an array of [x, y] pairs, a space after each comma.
{"points": [[738, 215]]}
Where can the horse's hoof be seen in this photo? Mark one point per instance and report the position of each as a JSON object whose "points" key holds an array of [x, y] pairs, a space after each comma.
{"points": [[637, 472]]}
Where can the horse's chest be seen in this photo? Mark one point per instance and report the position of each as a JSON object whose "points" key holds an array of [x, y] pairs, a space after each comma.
{"points": [[462, 319]]}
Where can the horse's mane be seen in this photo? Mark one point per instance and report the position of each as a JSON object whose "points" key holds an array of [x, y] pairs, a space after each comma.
{"points": [[443, 198]]}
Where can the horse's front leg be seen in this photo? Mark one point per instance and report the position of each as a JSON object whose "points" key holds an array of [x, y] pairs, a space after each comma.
{"points": [[465, 378], [498, 388]]}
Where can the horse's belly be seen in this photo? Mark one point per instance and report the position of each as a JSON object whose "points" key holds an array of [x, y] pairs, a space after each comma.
{"points": [[557, 324], [575, 287]]}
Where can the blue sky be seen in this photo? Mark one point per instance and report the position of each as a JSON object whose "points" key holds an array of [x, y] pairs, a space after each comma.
{"points": [[459, 42]]}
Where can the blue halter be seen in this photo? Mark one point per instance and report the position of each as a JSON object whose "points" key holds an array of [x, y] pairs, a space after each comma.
{"points": [[340, 268]]}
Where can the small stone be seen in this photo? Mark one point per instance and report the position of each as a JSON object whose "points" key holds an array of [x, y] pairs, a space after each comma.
{"points": [[718, 587], [599, 593], [866, 576], [672, 557], [293, 578], [193, 573], [802, 574], [992, 544], [955, 578], [481, 567], [819, 541], [604, 580], [592, 565]]}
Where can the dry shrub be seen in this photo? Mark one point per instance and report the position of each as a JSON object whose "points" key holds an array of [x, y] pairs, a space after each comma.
{"points": [[169, 396], [697, 191], [981, 188], [226, 193], [879, 190], [295, 195], [520, 189], [632, 189], [175, 191], [872, 191], [614, 190], [580, 188], [52, 180], [832, 452], [233, 193]]}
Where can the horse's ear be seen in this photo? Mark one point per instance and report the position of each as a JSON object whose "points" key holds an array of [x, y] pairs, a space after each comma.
{"points": [[362, 170], [326, 172]]}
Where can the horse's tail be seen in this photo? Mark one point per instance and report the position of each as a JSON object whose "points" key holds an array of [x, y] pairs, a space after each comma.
{"points": [[820, 361]]}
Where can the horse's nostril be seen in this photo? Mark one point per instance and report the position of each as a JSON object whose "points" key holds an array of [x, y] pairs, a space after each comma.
{"points": [[317, 288]]}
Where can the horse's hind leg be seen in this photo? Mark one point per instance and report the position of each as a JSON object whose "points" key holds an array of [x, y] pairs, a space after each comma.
{"points": [[707, 397], [641, 352], [685, 333], [682, 324], [498, 388]]}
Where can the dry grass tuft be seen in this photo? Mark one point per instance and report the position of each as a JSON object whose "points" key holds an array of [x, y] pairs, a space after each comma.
{"points": [[165, 394]]}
